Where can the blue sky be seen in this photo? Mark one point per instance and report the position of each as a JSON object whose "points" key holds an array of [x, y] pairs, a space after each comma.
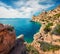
{"points": [[25, 8]]}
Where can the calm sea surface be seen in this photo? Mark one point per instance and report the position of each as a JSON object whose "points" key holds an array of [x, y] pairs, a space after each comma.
{"points": [[23, 26]]}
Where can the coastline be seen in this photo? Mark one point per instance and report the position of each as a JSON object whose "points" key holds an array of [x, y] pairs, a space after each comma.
{"points": [[47, 19], [36, 32]]}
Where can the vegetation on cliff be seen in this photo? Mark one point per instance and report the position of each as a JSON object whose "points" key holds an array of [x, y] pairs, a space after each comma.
{"points": [[50, 31], [47, 27], [57, 29], [47, 47], [10, 29], [57, 15], [31, 50]]}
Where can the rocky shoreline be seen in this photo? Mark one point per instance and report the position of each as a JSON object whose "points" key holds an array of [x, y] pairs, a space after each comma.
{"points": [[46, 36]]}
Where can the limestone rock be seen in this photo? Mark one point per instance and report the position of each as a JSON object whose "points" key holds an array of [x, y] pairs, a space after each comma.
{"points": [[44, 18]]}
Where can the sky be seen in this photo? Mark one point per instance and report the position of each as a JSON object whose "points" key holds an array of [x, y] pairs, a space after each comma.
{"points": [[25, 8]]}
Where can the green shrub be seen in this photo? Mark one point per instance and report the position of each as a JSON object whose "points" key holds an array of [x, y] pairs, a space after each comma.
{"points": [[31, 50], [57, 29], [47, 28], [57, 15], [10, 28], [47, 47]]}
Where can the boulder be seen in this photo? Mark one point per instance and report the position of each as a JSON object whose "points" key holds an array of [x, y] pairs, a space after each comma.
{"points": [[7, 38], [20, 46]]}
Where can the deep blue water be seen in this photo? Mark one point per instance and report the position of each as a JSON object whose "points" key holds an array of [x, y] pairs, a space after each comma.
{"points": [[23, 26]]}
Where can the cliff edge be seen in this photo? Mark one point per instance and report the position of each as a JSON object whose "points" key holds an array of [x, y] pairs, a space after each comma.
{"points": [[47, 40], [9, 44]]}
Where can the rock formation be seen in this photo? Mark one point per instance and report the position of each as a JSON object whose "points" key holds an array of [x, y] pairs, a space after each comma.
{"points": [[46, 37], [20, 46], [7, 38]]}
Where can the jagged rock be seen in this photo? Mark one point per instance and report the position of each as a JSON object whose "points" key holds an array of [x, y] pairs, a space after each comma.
{"points": [[7, 38], [20, 47]]}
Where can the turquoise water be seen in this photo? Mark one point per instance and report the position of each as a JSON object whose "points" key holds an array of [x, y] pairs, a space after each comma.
{"points": [[23, 26]]}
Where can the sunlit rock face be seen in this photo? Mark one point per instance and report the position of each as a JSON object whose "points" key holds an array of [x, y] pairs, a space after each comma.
{"points": [[7, 38], [53, 36]]}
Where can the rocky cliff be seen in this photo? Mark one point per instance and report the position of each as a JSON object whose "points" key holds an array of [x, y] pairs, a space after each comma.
{"points": [[46, 41], [7, 38], [9, 44]]}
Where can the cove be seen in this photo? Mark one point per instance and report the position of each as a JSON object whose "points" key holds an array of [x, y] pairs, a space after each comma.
{"points": [[23, 26]]}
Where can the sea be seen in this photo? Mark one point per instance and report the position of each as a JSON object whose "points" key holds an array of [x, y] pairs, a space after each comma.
{"points": [[23, 26]]}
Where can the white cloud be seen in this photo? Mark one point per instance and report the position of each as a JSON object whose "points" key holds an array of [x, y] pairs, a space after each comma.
{"points": [[11, 13], [32, 6], [8, 12], [23, 9]]}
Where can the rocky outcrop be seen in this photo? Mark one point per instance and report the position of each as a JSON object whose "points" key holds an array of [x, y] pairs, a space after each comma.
{"points": [[54, 11], [7, 38], [50, 16], [20, 46], [9, 44], [45, 33]]}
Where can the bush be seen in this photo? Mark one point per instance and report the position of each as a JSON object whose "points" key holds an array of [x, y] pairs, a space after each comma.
{"points": [[57, 29], [47, 47], [47, 28], [31, 50], [10, 28], [57, 15]]}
